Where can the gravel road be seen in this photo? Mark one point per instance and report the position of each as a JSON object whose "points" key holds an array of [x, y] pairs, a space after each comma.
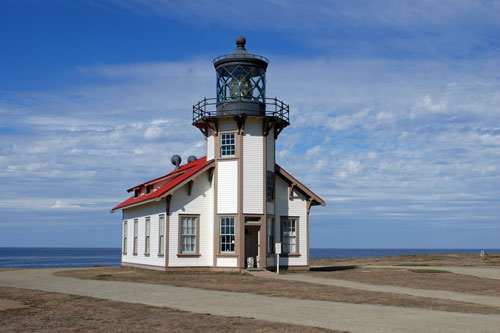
{"points": [[482, 272], [442, 294], [340, 316]]}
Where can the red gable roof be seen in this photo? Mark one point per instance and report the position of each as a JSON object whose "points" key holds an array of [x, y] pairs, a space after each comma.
{"points": [[165, 183]]}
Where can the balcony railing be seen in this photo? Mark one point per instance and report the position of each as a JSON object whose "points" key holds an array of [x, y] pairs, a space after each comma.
{"points": [[271, 107]]}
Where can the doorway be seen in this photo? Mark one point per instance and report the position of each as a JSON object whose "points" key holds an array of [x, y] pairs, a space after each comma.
{"points": [[252, 246]]}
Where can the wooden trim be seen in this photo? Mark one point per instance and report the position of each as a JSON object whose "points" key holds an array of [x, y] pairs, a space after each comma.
{"points": [[167, 231], [240, 229], [161, 251], [307, 237], [215, 217], [147, 251], [124, 237], [179, 225], [237, 239], [169, 201], [263, 230], [298, 185], [240, 123], [297, 236], [237, 140], [134, 242]]}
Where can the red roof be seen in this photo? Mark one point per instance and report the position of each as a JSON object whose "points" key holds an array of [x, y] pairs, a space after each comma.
{"points": [[165, 183]]}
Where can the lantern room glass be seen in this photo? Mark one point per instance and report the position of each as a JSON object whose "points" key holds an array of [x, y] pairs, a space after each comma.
{"points": [[241, 82]]}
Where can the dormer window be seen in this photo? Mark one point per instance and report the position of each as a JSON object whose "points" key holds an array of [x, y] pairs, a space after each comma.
{"points": [[137, 192], [149, 188]]}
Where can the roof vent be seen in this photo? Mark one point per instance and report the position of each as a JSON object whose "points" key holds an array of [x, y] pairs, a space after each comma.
{"points": [[191, 159], [176, 160]]}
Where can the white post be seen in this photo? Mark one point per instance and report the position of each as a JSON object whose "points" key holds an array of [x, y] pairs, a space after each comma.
{"points": [[278, 252]]}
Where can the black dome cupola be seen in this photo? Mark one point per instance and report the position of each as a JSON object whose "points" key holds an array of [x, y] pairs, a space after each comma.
{"points": [[240, 90]]}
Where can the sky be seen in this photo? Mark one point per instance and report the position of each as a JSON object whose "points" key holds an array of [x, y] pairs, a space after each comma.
{"points": [[394, 110]]}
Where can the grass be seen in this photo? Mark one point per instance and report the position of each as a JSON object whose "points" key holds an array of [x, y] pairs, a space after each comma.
{"points": [[431, 271], [412, 265], [103, 276]]}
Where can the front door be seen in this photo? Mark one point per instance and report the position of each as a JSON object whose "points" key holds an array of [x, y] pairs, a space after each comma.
{"points": [[252, 246]]}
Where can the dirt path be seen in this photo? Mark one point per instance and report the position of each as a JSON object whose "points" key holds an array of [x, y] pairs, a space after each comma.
{"points": [[340, 316], [442, 294], [482, 272]]}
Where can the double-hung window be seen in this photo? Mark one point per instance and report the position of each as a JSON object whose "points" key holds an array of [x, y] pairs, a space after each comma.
{"points": [[161, 234], [125, 236], [227, 145], [147, 231], [189, 226], [289, 232], [270, 235], [270, 185], [136, 229], [227, 234]]}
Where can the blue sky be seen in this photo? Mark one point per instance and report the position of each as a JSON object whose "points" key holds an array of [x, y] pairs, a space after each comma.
{"points": [[395, 112]]}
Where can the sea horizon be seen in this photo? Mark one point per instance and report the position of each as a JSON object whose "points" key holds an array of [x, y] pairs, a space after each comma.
{"points": [[53, 257]]}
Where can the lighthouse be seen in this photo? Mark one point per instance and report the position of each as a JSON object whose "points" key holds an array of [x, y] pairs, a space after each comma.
{"points": [[227, 210]]}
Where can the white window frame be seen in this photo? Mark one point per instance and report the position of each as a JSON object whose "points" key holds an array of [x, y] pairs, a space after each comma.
{"points": [[226, 234], [289, 227], [136, 231], [125, 236], [147, 235], [188, 235], [228, 149], [161, 234]]}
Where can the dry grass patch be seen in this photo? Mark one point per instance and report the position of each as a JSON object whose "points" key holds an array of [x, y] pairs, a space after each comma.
{"points": [[51, 312], [490, 260], [418, 278], [237, 282]]}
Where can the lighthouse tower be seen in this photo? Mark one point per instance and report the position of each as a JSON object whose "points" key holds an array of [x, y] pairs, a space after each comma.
{"points": [[230, 209], [241, 125]]}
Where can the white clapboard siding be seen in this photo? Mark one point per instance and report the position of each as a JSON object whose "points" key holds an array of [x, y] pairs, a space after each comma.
{"points": [[199, 202], [227, 262], [153, 210], [210, 148], [253, 168], [227, 187], [297, 208], [270, 152]]}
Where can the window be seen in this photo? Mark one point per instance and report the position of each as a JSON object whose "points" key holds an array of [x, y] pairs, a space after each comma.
{"points": [[289, 232], [270, 235], [270, 185], [147, 233], [227, 145], [137, 192], [125, 233], [136, 229], [227, 234], [161, 234], [189, 226], [149, 188]]}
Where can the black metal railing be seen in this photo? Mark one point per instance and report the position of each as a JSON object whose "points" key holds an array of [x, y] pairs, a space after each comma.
{"points": [[210, 108], [242, 56]]}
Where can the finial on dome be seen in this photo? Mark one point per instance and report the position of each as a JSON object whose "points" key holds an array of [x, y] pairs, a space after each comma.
{"points": [[240, 42]]}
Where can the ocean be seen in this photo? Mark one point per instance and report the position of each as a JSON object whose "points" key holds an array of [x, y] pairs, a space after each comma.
{"points": [[19, 257]]}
